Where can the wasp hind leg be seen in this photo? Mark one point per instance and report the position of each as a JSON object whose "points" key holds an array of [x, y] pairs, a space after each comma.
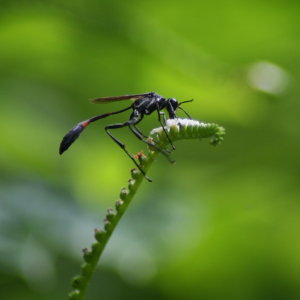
{"points": [[160, 113], [121, 125], [162, 151], [141, 136]]}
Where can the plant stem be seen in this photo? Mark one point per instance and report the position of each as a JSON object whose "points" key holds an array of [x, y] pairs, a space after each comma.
{"points": [[177, 129]]}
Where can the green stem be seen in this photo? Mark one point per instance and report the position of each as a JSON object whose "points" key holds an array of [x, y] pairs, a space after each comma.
{"points": [[177, 129]]}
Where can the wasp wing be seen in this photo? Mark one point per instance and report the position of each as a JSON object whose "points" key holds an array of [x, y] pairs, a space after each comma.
{"points": [[119, 98]]}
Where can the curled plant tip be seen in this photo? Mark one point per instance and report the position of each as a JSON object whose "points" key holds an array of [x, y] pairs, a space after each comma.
{"points": [[188, 129], [176, 129], [218, 137]]}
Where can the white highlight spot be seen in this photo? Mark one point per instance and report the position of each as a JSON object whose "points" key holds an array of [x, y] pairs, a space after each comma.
{"points": [[267, 77], [178, 122]]}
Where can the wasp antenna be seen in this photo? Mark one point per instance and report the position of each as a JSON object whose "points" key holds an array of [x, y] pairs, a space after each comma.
{"points": [[185, 112], [186, 101]]}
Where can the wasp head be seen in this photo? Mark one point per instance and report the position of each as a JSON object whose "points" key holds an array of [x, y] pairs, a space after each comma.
{"points": [[172, 107]]}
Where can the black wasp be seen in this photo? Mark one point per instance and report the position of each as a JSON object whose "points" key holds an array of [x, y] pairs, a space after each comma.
{"points": [[143, 104]]}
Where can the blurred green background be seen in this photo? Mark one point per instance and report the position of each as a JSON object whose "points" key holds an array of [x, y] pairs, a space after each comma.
{"points": [[224, 222]]}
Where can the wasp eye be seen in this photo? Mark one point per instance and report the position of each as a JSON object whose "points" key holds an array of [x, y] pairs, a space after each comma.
{"points": [[173, 102]]}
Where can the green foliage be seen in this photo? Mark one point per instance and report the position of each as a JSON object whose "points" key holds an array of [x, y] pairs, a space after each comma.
{"points": [[231, 213]]}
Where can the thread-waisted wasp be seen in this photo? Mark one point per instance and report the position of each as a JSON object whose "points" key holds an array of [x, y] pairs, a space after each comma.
{"points": [[144, 104]]}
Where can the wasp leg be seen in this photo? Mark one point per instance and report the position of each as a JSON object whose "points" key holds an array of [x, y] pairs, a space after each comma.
{"points": [[140, 137], [137, 129], [164, 116], [165, 124], [121, 125], [145, 136], [163, 127], [140, 132], [185, 113], [155, 142]]}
